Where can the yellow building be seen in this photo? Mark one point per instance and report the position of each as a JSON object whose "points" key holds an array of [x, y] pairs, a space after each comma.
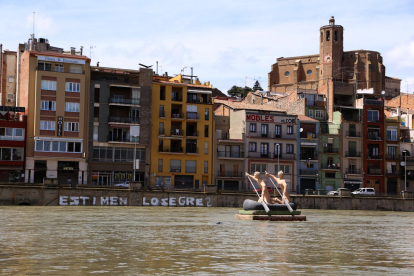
{"points": [[182, 133]]}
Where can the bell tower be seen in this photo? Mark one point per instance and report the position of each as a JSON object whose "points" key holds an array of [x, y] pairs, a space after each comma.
{"points": [[331, 47]]}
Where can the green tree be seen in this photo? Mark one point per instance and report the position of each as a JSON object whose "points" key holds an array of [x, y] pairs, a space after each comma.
{"points": [[237, 91], [257, 86]]}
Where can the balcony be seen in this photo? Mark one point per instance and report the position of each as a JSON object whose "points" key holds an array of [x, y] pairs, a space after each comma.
{"points": [[192, 116], [309, 156], [199, 101], [351, 118], [352, 171], [285, 136], [352, 154], [392, 156], [175, 169], [375, 136], [353, 134], [177, 116], [259, 155], [391, 139], [308, 172], [393, 173], [114, 81], [289, 156], [125, 101], [123, 138], [374, 157], [176, 99], [329, 167], [162, 114], [316, 103], [191, 150], [177, 132], [229, 174], [124, 120], [261, 135], [170, 150], [192, 133], [374, 102], [407, 140], [61, 70], [330, 150], [374, 171], [305, 136], [230, 154]]}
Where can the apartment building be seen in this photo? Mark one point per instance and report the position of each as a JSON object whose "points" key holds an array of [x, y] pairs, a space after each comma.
{"points": [[308, 162], [392, 155], [352, 148], [54, 90], [182, 133], [12, 143], [330, 146], [8, 77], [120, 124]]}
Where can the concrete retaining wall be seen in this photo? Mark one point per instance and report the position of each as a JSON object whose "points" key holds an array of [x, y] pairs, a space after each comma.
{"points": [[40, 196]]}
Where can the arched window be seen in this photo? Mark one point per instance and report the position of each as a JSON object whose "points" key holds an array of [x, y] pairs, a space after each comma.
{"points": [[328, 35], [321, 37], [336, 36]]}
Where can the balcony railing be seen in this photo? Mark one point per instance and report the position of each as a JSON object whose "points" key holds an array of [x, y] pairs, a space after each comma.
{"points": [[192, 133], [329, 167], [177, 132], [61, 70], [161, 131], [230, 154], [191, 150], [229, 174], [393, 173], [125, 101], [389, 138], [162, 114], [316, 103], [352, 118], [284, 156], [285, 135], [192, 115], [309, 172], [308, 156], [262, 135], [177, 116], [124, 120], [352, 154], [12, 138], [392, 156], [259, 155], [352, 171], [199, 100], [176, 99], [374, 136], [330, 150], [171, 149], [305, 136], [407, 140], [353, 134], [375, 171], [175, 169], [375, 157], [123, 138], [374, 102]]}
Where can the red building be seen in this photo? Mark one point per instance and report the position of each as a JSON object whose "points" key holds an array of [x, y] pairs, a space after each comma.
{"points": [[12, 143], [373, 144]]}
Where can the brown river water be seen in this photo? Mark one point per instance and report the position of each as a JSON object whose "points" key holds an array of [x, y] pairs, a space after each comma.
{"points": [[201, 241]]}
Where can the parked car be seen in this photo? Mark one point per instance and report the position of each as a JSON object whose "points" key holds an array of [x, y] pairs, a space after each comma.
{"points": [[335, 193], [364, 191], [270, 189], [125, 184]]}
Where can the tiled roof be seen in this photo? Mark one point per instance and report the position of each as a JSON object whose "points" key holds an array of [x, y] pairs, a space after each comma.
{"points": [[184, 84], [52, 54], [306, 118], [404, 100], [240, 105]]}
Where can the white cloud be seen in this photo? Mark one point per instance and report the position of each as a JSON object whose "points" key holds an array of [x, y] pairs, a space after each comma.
{"points": [[402, 56]]}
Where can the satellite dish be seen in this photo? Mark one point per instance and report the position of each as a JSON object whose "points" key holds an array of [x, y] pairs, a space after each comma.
{"points": [[383, 92], [301, 129], [402, 163]]}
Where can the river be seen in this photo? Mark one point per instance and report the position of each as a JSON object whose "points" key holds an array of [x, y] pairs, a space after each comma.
{"points": [[206, 241]]}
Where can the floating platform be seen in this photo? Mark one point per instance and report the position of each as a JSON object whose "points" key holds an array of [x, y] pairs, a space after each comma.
{"points": [[249, 204], [271, 217], [263, 212]]}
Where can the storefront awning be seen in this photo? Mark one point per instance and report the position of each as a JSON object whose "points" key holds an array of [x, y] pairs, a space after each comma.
{"points": [[308, 144], [198, 91], [352, 182]]}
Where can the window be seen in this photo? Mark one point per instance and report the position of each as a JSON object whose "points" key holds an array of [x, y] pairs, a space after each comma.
{"points": [[310, 113], [59, 67], [47, 125], [265, 130], [95, 133], [321, 36], [72, 107], [252, 127], [159, 165], [162, 93], [48, 105], [206, 131], [330, 175], [72, 87], [205, 166], [362, 66], [318, 114], [11, 134], [44, 66], [289, 148], [58, 146], [258, 168], [48, 85], [289, 129], [175, 165], [373, 116], [336, 36], [162, 111], [287, 73], [284, 168], [264, 149], [205, 147], [207, 116], [278, 131], [392, 134], [252, 146], [190, 166], [72, 126], [328, 35]]}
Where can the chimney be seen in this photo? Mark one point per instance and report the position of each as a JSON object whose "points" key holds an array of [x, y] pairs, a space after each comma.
{"points": [[72, 50], [97, 64]]}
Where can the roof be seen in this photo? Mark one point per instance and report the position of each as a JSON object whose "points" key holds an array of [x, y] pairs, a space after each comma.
{"points": [[242, 106], [392, 78], [271, 97], [306, 118], [52, 54], [183, 84]]}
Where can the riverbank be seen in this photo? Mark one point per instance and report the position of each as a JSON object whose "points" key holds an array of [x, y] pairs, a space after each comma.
{"points": [[53, 196]]}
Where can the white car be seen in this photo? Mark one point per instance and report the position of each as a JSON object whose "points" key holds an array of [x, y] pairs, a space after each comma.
{"points": [[364, 191], [335, 193], [125, 184]]}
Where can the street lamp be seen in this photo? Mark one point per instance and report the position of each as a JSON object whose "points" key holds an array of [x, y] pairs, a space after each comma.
{"points": [[405, 166], [278, 152], [135, 155]]}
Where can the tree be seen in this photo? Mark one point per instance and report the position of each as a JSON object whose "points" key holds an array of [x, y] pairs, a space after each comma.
{"points": [[237, 91], [257, 86]]}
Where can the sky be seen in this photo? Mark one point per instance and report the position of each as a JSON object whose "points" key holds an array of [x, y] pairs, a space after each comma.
{"points": [[226, 42]]}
